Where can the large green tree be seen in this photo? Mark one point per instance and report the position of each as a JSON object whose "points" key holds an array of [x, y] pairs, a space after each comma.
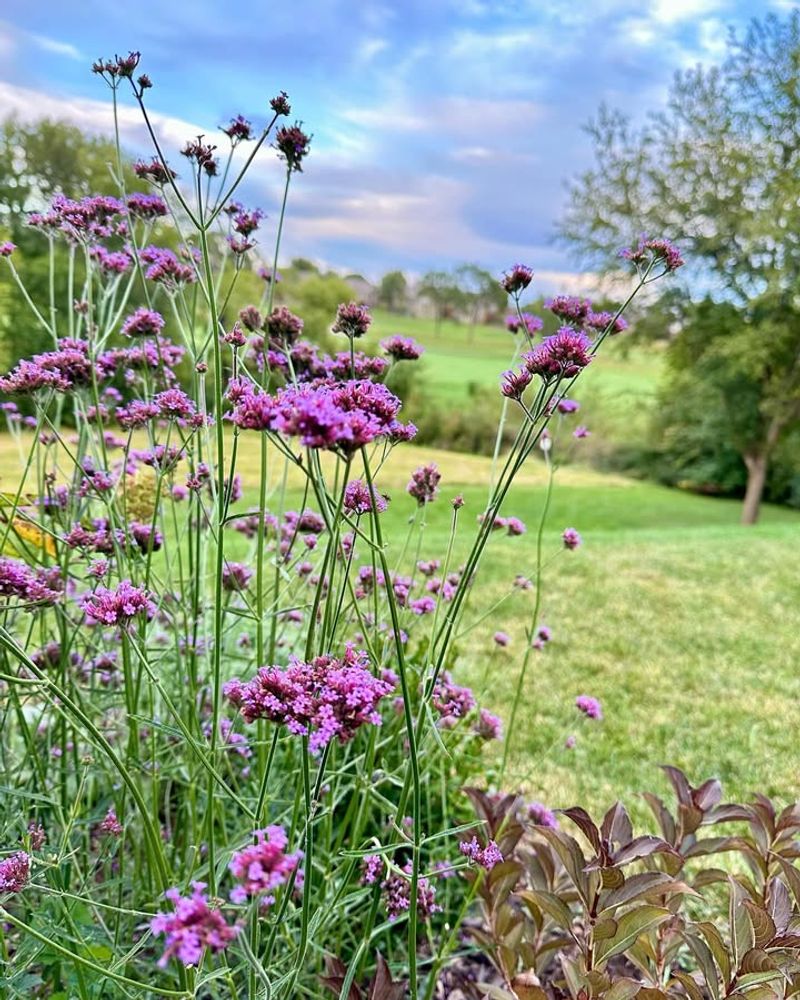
{"points": [[718, 169]]}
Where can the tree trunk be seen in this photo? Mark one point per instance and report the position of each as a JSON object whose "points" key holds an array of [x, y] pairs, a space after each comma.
{"points": [[756, 478]]}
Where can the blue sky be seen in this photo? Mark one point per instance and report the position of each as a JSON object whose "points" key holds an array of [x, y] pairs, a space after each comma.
{"points": [[444, 130]]}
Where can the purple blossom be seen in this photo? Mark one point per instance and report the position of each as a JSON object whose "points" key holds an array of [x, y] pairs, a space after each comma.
{"points": [[488, 726], [117, 607], [570, 308], [581, 432], [517, 279], [323, 699], [654, 250], [14, 872], [541, 815], [283, 327], [7, 248], [402, 348], [235, 576], [146, 206], [567, 406], [292, 144], [110, 824], [524, 321], [372, 868], [154, 171], [602, 320], [202, 154], [352, 319], [451, 701], [239, 130], [397, 895], [425, 605], [571, 538], [36, 586], [515, 383], [501, 639], [589, 706], [424, 483], [61, 370], [563, 354], [262, 867], [515, 527], [485, 857], [359, 500], [280, 104], [192, 927]]}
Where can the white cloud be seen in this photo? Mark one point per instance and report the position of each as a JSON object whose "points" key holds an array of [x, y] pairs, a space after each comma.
{"points": [[674, 11], [56, 47]]}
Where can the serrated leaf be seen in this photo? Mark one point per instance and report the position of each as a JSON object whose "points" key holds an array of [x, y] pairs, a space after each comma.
{"points": [[630, 926]]}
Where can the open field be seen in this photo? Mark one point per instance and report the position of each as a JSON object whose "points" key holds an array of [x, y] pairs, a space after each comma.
{"points": [[685, 626]]}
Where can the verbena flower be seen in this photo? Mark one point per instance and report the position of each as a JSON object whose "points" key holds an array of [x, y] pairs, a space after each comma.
{"points": [[571, 538], [524, 321], [485, 857], [146, 206], [262, 867], [402, 348], [397, 895], [424, 483], [650, 250], [283, 327], [192, 927], [203, 155], [589, 706], [119, 606], [7, 248], [360, 500], [451, 701], [488, 726], [601, 320], [238, 130], [154, 171], [570, 308], [325, 699], [541, 815], [501, 639], [371, 868], [14, 872], [515, 526], [564, 354], [292, 144], [110, 824], [352, 319], [280, 104], [63, 369], [143, 323], [517, 279], [235, 576], [515, 383], [36, 586], [567, 406]]}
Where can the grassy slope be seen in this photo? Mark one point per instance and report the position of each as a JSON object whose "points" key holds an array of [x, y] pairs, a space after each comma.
{"points": [[681, 622]]}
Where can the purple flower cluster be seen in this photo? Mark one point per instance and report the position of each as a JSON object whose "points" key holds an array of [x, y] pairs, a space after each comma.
{"points": [[524, 321], [451, 701], [561, 356], [262, 867], [402, 348], [14, 872], [119, 606], [323, 699], [36, 586], [352, 319], [110, 825], [92, 217], [571, 538], [517, 279], [63, 369], [292, 143], [540, 815], [570, 308], [589, 706], [235, 576], [143, 323], [424, 483], [342, 417], [359, 500], [485, 857], [154, 171], [192, 927], [654, 250], [397, 895]]}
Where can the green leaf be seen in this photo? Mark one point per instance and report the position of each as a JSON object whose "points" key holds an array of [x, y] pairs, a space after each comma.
{"points": [[551, 904], [630, 926]]}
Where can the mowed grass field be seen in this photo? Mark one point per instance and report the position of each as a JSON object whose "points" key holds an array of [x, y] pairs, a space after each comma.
{"points": [[685, 625]]}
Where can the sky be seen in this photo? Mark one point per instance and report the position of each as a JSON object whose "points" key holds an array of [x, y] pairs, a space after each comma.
{"points": [[443, 130]]}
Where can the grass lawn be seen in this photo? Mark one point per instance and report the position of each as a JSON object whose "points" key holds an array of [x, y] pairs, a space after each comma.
{"points": [[684, 624], [456, 359]]}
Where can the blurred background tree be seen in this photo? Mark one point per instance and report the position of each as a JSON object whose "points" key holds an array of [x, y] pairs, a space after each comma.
{"points": [[717, 169]]}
